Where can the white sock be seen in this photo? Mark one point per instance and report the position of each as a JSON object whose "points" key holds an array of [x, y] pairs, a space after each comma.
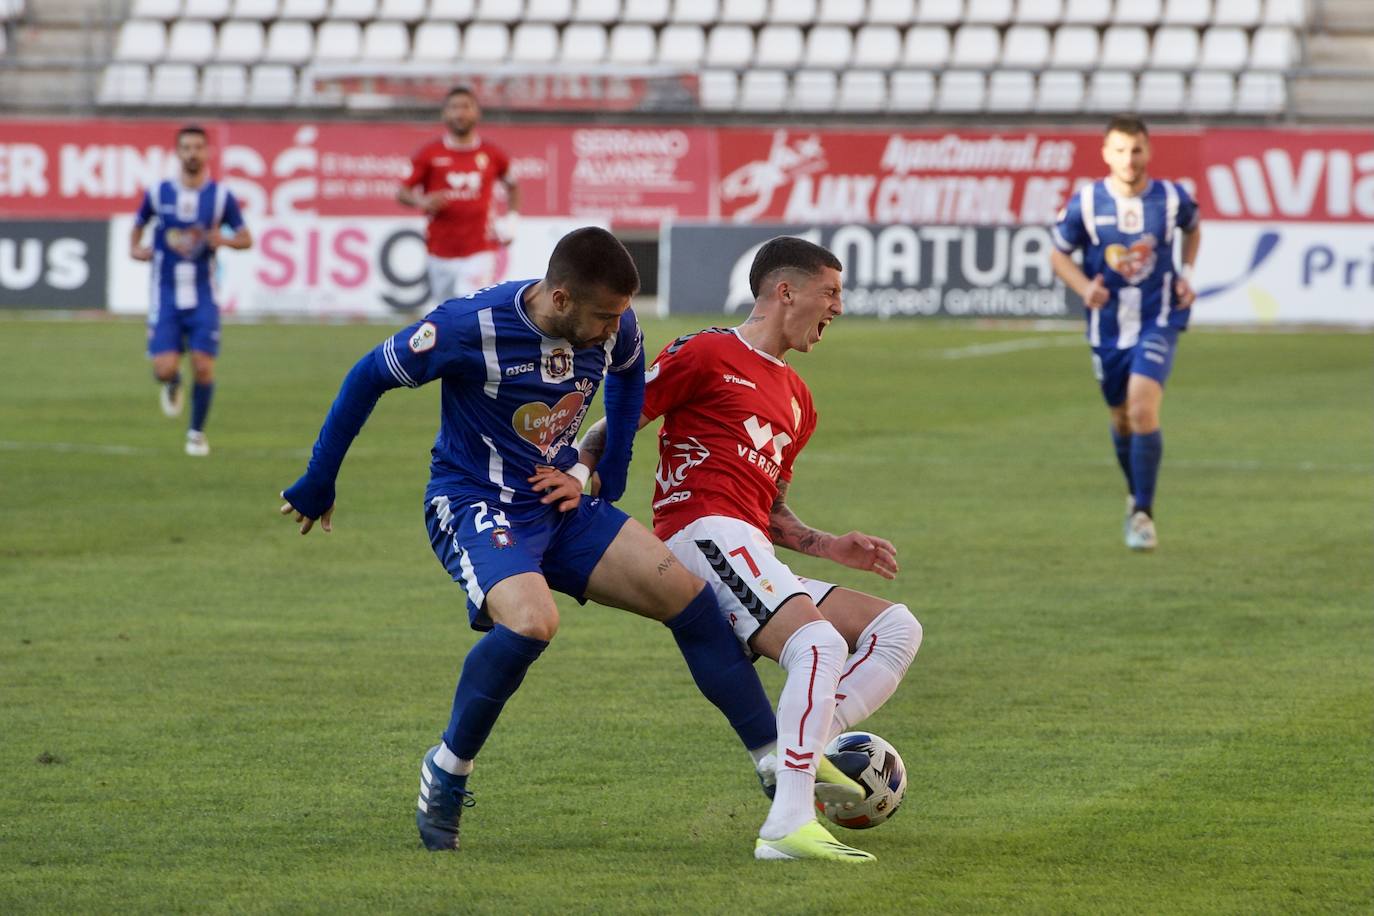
{"points": [[450, 762], [812, 658], [885, 650]]}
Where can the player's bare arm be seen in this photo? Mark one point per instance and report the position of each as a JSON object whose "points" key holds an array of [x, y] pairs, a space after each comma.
{"points": [[137, 249], [239, 241], [1093, 292], [855, 549], [413, 197], [1184, 293]]}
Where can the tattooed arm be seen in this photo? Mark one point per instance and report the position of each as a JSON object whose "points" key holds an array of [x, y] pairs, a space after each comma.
{"points": [[855, 549]]}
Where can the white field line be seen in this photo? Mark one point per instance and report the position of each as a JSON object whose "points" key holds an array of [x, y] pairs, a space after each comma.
{"points": [[127, 451], [1208, 464], [1010, 346]]}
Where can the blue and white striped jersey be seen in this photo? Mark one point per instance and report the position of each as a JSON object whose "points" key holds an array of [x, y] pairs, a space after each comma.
{"points": [[1130, 242], [183, 265], [512, 398]]}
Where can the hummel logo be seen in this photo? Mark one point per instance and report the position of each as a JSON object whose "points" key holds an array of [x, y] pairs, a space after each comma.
{"points": [[735, 379], [761, 434]]}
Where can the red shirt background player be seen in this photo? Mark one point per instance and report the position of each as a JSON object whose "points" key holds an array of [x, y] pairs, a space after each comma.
{"points": [[452, 180]]}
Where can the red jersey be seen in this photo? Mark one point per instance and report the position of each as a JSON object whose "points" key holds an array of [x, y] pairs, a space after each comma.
{"points": [[466, 176], [734, 420]]}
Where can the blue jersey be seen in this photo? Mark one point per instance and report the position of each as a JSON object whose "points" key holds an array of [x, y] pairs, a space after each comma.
{"points": [[512, 397], [1130, 242], [183, 264]]}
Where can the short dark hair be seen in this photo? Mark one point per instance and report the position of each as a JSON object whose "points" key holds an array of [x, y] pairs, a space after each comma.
{"points": [[460, 90], [786, 252], [591, 257], [1127, 124], [194, 130]]}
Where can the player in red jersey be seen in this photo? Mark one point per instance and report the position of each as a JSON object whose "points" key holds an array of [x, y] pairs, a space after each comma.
{"points": [[452, 180], [735, 417]]}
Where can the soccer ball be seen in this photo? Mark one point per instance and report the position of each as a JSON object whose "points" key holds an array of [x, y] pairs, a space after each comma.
{"points": [[883, 779]]}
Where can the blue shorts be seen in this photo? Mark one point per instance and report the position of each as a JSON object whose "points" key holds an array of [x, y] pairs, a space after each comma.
{"points": [[1152, 357], [480, 543], [183, 329]]}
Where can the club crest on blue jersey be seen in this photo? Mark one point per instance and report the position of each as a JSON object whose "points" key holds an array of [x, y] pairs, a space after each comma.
{"points": [[557, 364]]}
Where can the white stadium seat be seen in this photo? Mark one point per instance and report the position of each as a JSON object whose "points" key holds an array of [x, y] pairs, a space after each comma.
{"points": [[1273, 48], [272, 84], [862, 90], [1240, 13], [779, 46], [1211, 93], [173, 84], [727, 46], [1261, 93], [1286, 12], [1075, 47], [830, 46], [1175, 47], [205, 9], [1139, 12], [123, 84], [698, 12], [155, 9], [632, 44], [911, 90], [792, 12], [891, 12], [141, 40], [353, 10], [583, 43], [338, 41], [223, 84], [650, 12], [1087, 12], [289, 41], [1111, 90], [190, 41], [486, 42], [241, 42], [988, 12], [1160, 92], [878, 46], [926, 47], [531, 43], [548, 10], [744, 12], [1059, 91], [601, 11], [312, 10], [814, 90], [719, 90], [1040, 12], [763, 90], [385, 41], [975, 46], [262, 11], [941, 12], [1011, 90], [436, 41], [1224, 49], [451, 10], [1188, 12], [682, 45], [1026, 46], [500, 10], [402, 10], [961, 91], [1125, 47], [841, 12]]}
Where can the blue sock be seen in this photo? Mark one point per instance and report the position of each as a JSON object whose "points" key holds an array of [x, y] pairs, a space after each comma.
{"points": [[493, 670], [200, 403], [1146, 452], [1123, 454], [722, 671]]}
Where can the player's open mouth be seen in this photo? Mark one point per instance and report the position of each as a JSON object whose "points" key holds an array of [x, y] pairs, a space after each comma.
{"points": [[820, 328]]}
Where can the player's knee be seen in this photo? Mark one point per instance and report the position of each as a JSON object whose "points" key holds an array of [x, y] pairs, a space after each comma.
{"points": [[820, 635], [900, 638], [1144, 418], [541, 625]]}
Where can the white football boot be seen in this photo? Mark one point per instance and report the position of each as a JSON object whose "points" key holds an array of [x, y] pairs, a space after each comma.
{"points": [[197, 446], [170, 399], [1140, 532]]}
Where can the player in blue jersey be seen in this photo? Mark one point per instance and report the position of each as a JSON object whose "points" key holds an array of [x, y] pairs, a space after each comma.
{"points": [[189, 214], [1138, 301], [519, 364]]}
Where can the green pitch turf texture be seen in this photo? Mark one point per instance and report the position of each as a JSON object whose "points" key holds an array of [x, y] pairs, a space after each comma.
{"points": [[203, 711]]}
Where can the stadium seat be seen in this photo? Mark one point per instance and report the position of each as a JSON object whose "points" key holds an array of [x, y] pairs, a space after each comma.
{"points": [[1224, 49], [1160, 92], [1273, 48], [879, 46], [1240, 13], [696, 12], [763, 90], [141, 40], [499, 11], [1075, 47], [830, 46], [312, 10], [779, 46], [486, 42], [1026, 46], [205, 9], [911, 90], [1011, 90], [1039, 12], [173, 84], [163, 10], [1175, 48], [814, 90], [436, 41], [190, 41], [289, 41], [650, 12], [940, 12], [891, 12], [841, 12], [632, 44], [402, 10], [241, 42], [719, 90], [727, 46], [1261, 93], [223, 84], [583, 43], [926, 47], [1211, 93], [1188, 12], [862, 90], [1111, 90], [353, 10], [451, 10], [975, 46], [272, 85], [385, 41], [988, 12], [1125, 47], [683, 45], [744, 12], [531, 43], [1139, 12], [792, 12], [1286, 12], [548, 10], [604, 12], [1059, 91], [1087, 12], [123, 84], [961, 91], [337, 41], [260, 10]]}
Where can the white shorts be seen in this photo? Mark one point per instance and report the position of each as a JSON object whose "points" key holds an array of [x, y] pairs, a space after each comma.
{"points": [[737, 561], [452, 277]]}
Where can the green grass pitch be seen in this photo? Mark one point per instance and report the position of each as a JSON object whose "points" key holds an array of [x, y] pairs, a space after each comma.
{"points": [[203, 711]]}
